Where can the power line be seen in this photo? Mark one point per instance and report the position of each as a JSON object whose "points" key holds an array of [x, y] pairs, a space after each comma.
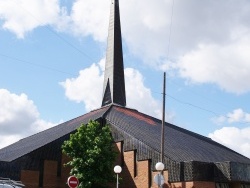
{"points": [[199, 107], [195, 106], [187, 103], [170, 29], [37, 65], [70, 44], [201, 96], [56, 34], [203, 109]]}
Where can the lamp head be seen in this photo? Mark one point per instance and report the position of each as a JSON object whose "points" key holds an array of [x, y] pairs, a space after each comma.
{"points": [[159, 166], [117, 169]]}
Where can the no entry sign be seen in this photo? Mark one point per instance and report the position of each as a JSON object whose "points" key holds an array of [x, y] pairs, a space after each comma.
{"points": [[72, 182]]}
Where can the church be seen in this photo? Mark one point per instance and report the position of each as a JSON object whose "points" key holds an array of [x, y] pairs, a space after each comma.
{"points": [[191, 160]]}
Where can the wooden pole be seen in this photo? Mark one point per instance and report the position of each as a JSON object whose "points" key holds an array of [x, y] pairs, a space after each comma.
{"points": [[163, 117]]}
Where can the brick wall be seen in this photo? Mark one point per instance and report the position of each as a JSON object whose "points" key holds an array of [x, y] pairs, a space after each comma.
{"points": [[194, 184], [30, 178], [135, 174], [65, 170], [50, 174], [50, 178]]}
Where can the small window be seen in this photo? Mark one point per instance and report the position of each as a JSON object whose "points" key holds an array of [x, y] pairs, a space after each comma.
{"points": [[222, 185]]}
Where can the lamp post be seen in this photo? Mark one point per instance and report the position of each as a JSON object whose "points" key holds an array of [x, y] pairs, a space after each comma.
{"points": [[159, 179], [159, 166], [117, 170]]}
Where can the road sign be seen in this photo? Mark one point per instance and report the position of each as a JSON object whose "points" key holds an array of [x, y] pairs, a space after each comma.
{"points": [[73, 182], [159, 179]]}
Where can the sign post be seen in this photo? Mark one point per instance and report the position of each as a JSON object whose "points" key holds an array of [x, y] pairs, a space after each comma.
{"points": [[73, 182], [159, 179]]}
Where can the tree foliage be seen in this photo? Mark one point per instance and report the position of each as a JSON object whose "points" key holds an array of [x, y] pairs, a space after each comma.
{"points": [[92, 155]]}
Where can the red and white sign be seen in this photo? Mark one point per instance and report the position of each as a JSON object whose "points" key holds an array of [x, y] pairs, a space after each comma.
{"points": [[73, 182]]}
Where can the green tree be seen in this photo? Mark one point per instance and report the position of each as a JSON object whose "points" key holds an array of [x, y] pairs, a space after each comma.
{"points": [[92, 155]]}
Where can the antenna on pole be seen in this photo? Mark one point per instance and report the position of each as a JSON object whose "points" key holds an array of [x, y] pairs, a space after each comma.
{"points": [[163, 117]]}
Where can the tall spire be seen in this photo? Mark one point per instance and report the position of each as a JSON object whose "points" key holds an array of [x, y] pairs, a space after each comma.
{"points": [[114, 84]]}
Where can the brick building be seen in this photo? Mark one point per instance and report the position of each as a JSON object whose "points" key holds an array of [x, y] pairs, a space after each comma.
{"points": [[191, 160]]}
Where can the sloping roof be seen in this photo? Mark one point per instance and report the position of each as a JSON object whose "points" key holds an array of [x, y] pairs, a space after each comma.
{"points": [[140, 132], [180, 144], [40, 139]]}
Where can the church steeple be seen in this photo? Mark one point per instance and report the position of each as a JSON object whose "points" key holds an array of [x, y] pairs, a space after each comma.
{"points": [[114, 84]]}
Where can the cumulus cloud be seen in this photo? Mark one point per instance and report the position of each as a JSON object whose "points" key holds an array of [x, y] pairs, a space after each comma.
{"points": [[213, 49], [207, 45], [22, 16], [236, 116], [19, 117], [90, 17], [225, 65], [234, 138], [146, 33], [137, 93], [87, 88], [218, 52]]}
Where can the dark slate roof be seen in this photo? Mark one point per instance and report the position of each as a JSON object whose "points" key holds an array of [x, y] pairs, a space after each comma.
{"points": [[114, 84], [31, 143], [180, 144]]}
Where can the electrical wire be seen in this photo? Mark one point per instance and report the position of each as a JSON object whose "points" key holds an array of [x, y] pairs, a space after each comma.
{"points": [[199, 95], [74, 47], [56, 34], [199, 107], [190, 104], [37, 65], [187, 103], [204, 109], [170, 29]]}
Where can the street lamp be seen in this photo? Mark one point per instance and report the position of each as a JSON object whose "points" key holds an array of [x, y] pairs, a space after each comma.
{"points": [[117, 170], [159, 179], [159, 166]]}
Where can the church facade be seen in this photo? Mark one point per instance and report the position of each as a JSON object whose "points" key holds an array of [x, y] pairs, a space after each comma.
{"points": [[191, 160]]}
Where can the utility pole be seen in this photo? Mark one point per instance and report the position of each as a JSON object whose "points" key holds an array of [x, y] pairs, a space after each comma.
{"points": [[163, 117], [159, 178]]}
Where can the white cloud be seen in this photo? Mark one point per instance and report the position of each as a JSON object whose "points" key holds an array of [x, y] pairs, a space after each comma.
{"points": [[225, 65], [214, 50], [207, 45], [19, 117], [9, 139], [87, 88], [90, 17], [236, 116], [145, 27], [234, 138], [137, 93], [22, 16]]}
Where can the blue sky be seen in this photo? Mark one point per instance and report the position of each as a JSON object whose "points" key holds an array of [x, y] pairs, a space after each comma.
{"points": [[52, 56]]}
